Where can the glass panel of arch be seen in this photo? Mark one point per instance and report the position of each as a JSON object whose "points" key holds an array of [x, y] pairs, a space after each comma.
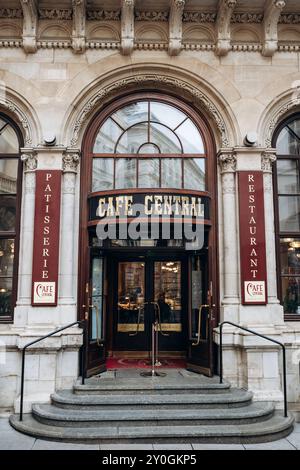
{"points": [[107, 137], [288, 176], [166, 114], [132, 139], [194, 173], [8, 139], [288, 141], [131, 114], [290, 256], [125, 175], [103, 174], [149, 173], [190, 137], [171, 173], [165, 139]]}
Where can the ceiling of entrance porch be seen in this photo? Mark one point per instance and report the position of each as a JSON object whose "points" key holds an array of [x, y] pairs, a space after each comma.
{"points": [[219, 26]]}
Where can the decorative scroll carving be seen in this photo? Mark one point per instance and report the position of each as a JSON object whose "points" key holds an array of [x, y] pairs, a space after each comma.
{"points": [[11, 13], [127, 27], [272, 13], [246, 17], [30, 161], [151, 16], [227, 162], [55, 13], [78, 34], [267, 159], [289, 18], [29, 25], [104, 15], [175, 26], [70, 162], [146, 79], [225, 10], [199, 17]]}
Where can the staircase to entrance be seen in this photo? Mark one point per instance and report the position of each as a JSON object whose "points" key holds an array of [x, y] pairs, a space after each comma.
{"points": [[122, 406]]}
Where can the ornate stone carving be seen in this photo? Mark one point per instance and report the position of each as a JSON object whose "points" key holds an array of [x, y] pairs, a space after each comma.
{"points": [[104, 15], [246, 17], [175, 26], [70, 162], [289, 18], [151, 16], [225, 11], [148, 79], [78, 33], [29, 25], [267, 160], [30, 161], [199, 17], [127, 27], [227, 162], [11, 13], [272, 13], [55, 13]]}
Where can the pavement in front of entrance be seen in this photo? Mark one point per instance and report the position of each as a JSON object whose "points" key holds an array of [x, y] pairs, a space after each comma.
{"points": [[13, 440]]}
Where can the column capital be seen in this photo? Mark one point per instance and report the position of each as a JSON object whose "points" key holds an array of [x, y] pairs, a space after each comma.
{"points": [[71, 160], [268, 157], [29, 158], [227, 161]]}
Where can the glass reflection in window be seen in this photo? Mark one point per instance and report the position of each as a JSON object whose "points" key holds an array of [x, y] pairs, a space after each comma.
{"points": [[288, 141], [288, 176], [8, 139], [149, 173], [171, 173], [126, 173], [107, 137], [5, 296], [291, 294], [289, 213], [103, 174], [167, 294], [194, 173]]}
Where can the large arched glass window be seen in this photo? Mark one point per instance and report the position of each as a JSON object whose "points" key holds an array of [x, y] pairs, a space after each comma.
{"points": [[287, 205], [141, 146], [9, 211]]}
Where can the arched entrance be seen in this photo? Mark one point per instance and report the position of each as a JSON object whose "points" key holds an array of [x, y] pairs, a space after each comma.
{"points": [[148, 231]]}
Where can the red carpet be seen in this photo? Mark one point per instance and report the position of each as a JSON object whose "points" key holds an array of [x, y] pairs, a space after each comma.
{"points": [[125, 363]]}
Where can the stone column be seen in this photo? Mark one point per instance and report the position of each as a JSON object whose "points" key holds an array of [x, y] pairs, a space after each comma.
{"points": [[27, 228], [227, 161], [267, 159], [67, 276]]}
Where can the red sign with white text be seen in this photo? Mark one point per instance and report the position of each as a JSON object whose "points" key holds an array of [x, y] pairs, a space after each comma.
{"points": [[46, 238], [252, 238]]}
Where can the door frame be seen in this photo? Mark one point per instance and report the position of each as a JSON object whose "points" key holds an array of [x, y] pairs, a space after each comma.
{"points": [[211, 178]]}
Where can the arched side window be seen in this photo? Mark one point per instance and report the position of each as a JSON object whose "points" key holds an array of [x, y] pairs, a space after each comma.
{"points": [[287, 208], [10, 192], [141, 145]]}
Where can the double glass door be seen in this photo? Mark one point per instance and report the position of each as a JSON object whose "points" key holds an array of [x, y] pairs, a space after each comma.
{"points": [[149, 290]]}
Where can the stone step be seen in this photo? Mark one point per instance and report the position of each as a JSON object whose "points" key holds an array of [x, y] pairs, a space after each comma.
{"points": [[275, 428], [154, 385], [53, 416], [236, 398]]}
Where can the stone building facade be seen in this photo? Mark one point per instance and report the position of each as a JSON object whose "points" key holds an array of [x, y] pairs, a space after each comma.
{"points": [[232, 63]]}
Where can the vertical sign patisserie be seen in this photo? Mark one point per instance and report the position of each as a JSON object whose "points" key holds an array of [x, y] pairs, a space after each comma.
{"points": [[252, 238], [46, 238]]}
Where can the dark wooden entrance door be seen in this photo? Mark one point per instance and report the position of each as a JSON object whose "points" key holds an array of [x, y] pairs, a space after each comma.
{"points": [[146, 289]]}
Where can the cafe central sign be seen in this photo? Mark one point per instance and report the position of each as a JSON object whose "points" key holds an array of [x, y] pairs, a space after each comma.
{"points": [[140, 204], [252, 238], [46, 238]]}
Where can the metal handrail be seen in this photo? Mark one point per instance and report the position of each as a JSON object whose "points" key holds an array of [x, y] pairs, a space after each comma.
{"points": [[83, 351], [261, 336]]}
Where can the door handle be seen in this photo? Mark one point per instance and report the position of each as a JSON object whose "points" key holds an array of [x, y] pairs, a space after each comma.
{"points": [[196, 343], [99, 340], [138, 321]]}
